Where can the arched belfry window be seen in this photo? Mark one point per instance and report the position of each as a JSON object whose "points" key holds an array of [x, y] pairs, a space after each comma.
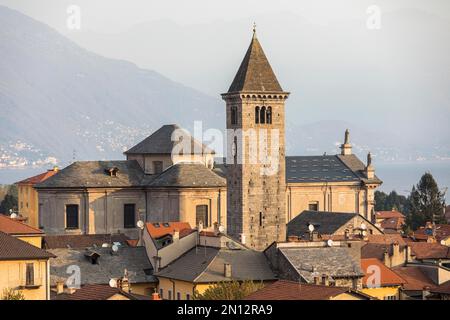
{"points": [[262, 115], [234, 115], [269, 115], [257, 115]]}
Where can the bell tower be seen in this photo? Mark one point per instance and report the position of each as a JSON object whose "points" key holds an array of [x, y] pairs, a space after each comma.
{"points": [[256, 181]]}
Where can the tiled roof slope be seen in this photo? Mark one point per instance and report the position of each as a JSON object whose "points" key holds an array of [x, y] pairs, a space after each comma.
{"points": [[387, 276], [160, 142], [326, 223], [38, 178], [185, 174], [82, 241], [14, 249], [14, 227], [415, 278], [83, 174], [160, 229], [255, 72], [88, 292], [333, 261], [206, 264], [290, 290]]}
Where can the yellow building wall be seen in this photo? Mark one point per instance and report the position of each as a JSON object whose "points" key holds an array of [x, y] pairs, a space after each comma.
{"points": [[346, 296], [145, 289], [183, 287], [35, 241], [13, 276], [383, 292]]}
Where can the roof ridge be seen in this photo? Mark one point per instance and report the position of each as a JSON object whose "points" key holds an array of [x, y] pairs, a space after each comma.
{"points": [[206, 268]]}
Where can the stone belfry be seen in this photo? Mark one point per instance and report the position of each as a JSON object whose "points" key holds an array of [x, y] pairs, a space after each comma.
{"points": [[256, 181]]}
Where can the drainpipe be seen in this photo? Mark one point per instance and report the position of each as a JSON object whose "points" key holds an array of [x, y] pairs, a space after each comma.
{"points": [[47, 279], [106, 211]]}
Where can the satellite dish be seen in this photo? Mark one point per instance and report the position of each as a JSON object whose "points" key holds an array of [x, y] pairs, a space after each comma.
{"points": [[221, 229], [105, 245], [311, 228], [113, 283], [363, 226], [330, 243], [140, 224], [13, 215], [115, 248]]}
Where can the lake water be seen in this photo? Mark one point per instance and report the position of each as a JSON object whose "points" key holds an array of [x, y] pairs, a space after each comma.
{"points": [[396, 176]]}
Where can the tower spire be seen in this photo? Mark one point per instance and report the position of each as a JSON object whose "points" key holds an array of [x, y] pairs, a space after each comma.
{"points": [[254, 30], [346, 147]]}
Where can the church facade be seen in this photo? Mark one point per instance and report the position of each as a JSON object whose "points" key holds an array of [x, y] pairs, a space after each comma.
{"points": [[253, 194]]}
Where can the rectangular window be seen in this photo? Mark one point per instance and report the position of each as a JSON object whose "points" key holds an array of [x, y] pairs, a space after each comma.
{"points": [[188, 296], [178, 296], [161, 293], [29, 274], [72, 216], [201, 215], [129, 215], [157, 167], [169, 292], [314, 206]]}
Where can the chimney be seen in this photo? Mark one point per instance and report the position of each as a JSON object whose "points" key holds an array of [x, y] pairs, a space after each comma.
{"points": [[370, 170], [395, 249], [346, 147], [325, 280], [316, 280], [314, 236], [347, 234], [155, 296], [176, 235], [59, 287], [227, 270], [292, 238]]}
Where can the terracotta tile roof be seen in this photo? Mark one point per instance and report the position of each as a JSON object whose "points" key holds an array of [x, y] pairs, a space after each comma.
{"points": [[443, 288], [88, 292], [389, 214], [386, 238], [12, 248], [14, 227], [393, 223], [425, 250], [442, 231], [39, 178], [387, 276], [290, 290], [82, 241], [415, 278], [161, 229]]}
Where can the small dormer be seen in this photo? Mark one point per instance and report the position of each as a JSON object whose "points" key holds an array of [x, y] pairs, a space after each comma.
{"points": [[112, 171]]}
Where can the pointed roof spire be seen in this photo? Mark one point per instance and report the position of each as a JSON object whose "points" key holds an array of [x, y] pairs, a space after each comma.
{"points": [[255, 72]]}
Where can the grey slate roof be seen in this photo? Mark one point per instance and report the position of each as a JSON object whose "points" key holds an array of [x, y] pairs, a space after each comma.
{"points": [[134, 259], [12, 248], [82, 241], [160, 142], [206, 264], [308, 169], [92, 174], [326, 223], [336, 262], [185, 174], [255, 72]]}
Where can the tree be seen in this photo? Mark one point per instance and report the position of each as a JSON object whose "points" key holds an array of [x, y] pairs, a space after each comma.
{"points": [[426, 203], [10, 200], [10, 294], [233, 290], [388, 202]]}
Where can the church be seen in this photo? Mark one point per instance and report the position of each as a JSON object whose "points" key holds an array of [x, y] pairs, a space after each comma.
{"points": [[251, 194]]}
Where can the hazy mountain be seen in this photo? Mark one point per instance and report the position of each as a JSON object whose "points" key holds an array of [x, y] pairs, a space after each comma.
{"points": [[56, 97], [395, 78]]}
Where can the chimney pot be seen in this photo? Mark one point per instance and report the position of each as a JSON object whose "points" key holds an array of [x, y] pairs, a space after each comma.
{"points": [[227, 270], [59, 287]]}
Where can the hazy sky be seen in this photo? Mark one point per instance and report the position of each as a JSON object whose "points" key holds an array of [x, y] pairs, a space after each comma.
{"points": [[396, 78], [115, 15]]}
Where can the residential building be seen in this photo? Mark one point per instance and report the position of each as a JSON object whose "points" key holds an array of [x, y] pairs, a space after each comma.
{"points": [[100, 265], [380, 281], [20, 230], [333, 224], [24, 268], [95, 292], [417, 283], [28, 197], [291, 290], [203, 267], [441, 292], [439, 233], [335, 263]]}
